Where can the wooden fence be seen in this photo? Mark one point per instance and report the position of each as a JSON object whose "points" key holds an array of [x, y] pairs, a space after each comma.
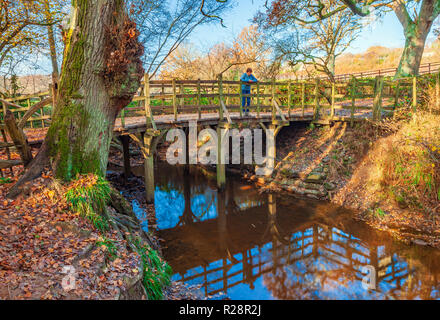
{"points": [[21, 105]]}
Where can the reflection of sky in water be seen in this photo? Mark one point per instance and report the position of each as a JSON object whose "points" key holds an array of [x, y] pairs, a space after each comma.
{"points": [[170, 204], [333, 271]]}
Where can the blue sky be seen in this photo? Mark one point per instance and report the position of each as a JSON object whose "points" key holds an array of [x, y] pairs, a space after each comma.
{"points": [[386, 32]]}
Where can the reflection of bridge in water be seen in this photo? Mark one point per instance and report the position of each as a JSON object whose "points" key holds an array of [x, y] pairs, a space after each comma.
{"points": [[291, 250]]}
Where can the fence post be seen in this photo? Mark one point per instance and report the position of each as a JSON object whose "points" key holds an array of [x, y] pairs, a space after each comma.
{"points": [[414, 94], [353, 99], [199, 99], [377, 102], [174, 99]]}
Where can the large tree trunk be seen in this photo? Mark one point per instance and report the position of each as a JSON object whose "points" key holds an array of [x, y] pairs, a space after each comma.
{"points": [[412, 53], [416, 32], [101, 72]]}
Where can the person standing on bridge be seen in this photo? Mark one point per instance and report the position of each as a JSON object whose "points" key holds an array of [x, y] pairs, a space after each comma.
{"points": [[249, 78]]}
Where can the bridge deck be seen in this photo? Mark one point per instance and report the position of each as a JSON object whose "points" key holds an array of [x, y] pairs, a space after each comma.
{"points": [[135, 124]]}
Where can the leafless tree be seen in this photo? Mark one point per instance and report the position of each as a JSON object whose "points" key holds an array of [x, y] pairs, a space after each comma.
{"points": [[317, 44], [164, 26], [416, 17]]}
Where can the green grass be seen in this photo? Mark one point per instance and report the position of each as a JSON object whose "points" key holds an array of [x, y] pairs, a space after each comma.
{"points": [[111, 247], [88, 196], [157, 273], [4, 180]]}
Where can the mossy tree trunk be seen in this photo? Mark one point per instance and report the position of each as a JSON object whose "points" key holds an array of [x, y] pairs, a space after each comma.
{"points": [[416, 31], [101, 72]]}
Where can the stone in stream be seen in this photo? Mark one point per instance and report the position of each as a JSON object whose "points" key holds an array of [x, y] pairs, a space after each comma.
{"points": [[326, 159], [290, 173], [318, 170], [311, 186], [314, 192], [315, 177], [329, 186]]}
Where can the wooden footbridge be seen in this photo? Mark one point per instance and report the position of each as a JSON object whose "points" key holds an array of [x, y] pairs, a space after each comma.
{"points": [[164, 104]]}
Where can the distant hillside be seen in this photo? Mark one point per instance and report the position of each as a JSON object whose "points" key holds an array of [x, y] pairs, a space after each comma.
{"points": [[374, 58], [378, 57], [27, 84]]}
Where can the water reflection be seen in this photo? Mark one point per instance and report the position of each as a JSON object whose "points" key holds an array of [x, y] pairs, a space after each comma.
{"points": [[258, 246]]}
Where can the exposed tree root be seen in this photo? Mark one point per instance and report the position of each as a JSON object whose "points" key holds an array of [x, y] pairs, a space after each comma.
{"points": [[127, 219], [32, 172]]}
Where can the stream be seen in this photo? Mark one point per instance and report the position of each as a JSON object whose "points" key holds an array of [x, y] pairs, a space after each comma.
{"points": [[241, 244]]}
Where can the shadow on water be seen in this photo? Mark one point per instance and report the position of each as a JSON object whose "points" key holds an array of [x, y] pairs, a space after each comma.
{"points": [[266, 246]]}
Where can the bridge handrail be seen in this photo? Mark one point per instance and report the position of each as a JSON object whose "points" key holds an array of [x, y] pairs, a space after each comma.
{"points": [[174, 97]]}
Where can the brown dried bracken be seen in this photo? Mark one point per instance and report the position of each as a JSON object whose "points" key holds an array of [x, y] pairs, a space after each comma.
{"points": [[123, 67]]}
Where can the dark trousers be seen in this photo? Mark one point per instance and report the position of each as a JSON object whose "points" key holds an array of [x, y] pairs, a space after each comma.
{"points": [[245, 101]]}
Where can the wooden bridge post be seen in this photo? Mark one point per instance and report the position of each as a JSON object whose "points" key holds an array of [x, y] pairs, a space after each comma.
{"points": [[221, 168], [147, 102], [199, 99], [316, 104], [149, 167], [258, 100], [303, 97], [123, 117], [174, 99], [273, 99], [240, 92], [396, 95], [220, 96], [228, 89], [414, 94], [162, 91], [353, 99]]}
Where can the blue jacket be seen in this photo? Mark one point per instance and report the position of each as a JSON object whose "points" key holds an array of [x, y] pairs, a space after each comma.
{"points": [[246, 78]]}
